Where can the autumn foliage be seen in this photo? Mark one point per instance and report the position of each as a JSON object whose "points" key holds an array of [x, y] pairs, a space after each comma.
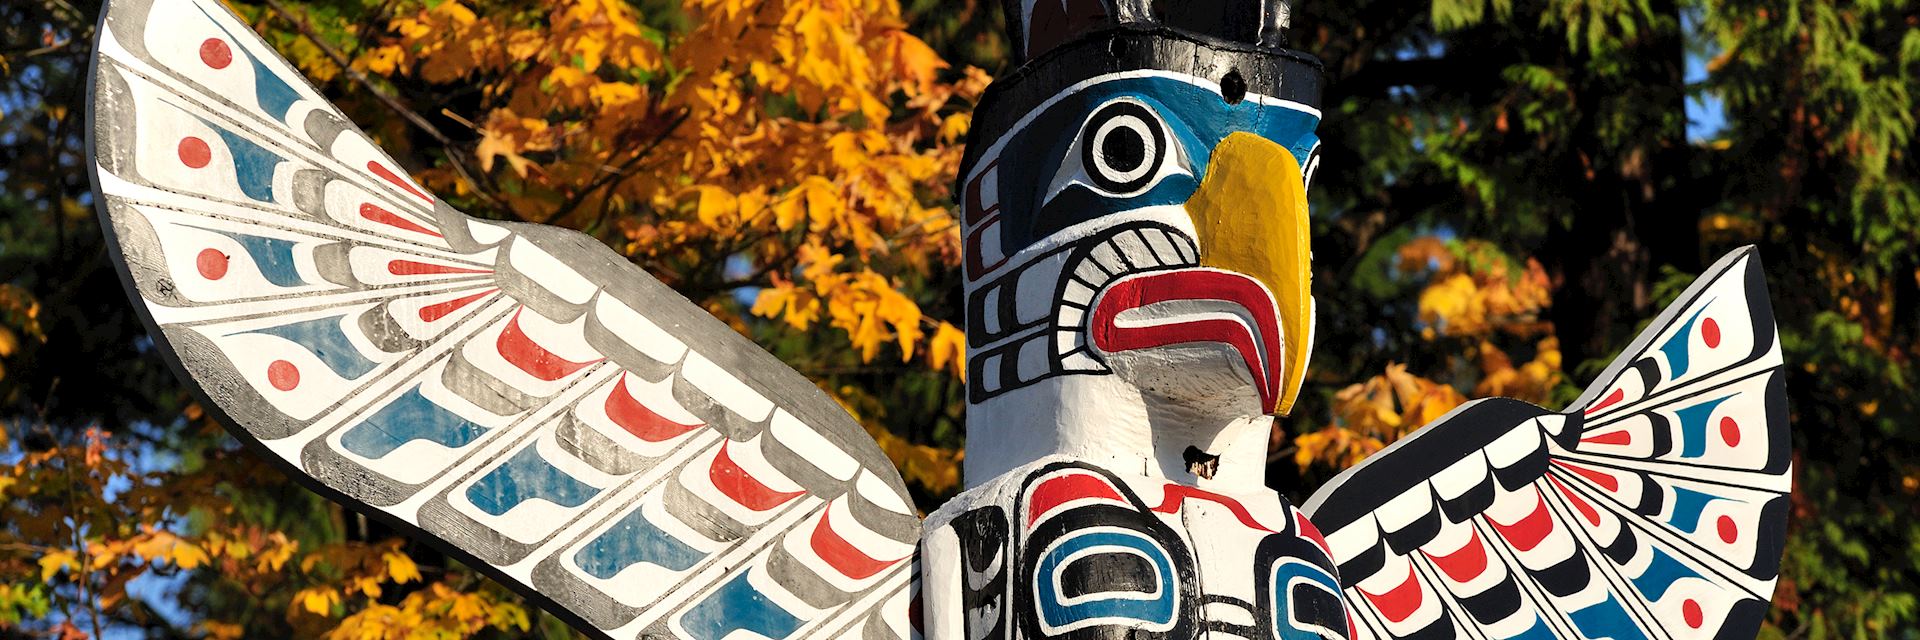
{"points": [[1508, 191], [810, 139], [782, 163], [1475, 299]]}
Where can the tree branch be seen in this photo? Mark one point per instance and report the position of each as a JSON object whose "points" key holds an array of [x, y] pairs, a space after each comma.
{"points": [[413, 117], [616, 174]]}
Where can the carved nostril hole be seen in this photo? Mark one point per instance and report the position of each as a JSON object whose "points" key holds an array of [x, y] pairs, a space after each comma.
{"points": [[1201, 463], [1117, 47], [1233, 87]]}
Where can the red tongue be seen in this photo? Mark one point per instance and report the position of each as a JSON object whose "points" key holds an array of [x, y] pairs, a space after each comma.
{"points": [[1141, 290]]}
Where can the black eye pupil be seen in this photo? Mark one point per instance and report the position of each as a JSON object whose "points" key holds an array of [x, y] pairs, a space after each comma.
{"points": [[1124, 149]]}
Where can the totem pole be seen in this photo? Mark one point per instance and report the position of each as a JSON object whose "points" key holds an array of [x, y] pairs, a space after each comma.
{"points": [[1138, 309]]}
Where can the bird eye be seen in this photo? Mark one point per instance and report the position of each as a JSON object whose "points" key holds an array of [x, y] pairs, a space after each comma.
{"points": [[1123, 147]]}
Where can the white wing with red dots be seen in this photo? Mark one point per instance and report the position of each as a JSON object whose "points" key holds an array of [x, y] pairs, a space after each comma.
{"points": [[519, 394], [1654, 508]]}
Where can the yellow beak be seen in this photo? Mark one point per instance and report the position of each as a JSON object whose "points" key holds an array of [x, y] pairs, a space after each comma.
{"points": [[1251, 215]]}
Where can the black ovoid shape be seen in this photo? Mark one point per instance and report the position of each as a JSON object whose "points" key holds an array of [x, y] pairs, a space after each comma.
{"points": [[1233, 87]]}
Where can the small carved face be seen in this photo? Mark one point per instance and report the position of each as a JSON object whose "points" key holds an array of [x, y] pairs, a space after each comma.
{"points": [[1123, 218]]}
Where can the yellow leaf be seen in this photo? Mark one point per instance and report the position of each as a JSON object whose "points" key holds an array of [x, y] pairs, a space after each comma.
{"points": [[789, 211], [53, 562], [494, 144], [915, 60], [590, 47], [187, 555], [317, 600], [798, 308], [611, 95], [716, 208], [459, 14], [954, 128], [383, 60], [400, 567], [949, 344]]}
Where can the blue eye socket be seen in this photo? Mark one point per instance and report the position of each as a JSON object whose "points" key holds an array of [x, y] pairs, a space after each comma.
{"points": [[1122, 150]]}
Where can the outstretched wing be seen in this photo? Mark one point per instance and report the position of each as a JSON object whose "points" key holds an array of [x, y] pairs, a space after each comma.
{"points": [[519, 393], [1655, 508]]}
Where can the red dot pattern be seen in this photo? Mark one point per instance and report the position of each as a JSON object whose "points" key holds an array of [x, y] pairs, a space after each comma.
{"points": [[283, 375], [1691, 611], [216, 53], [1730, 431], [1729, 532], [194, 152], [212, 264], [1710, 332]]}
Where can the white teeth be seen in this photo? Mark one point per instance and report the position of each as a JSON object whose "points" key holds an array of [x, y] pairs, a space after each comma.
{"points": [[1070, 316], [1109, 257], [1162, 246], [1078, 293], [1065, 341], [1169, 246], [1134, 247], [1091, 272]]}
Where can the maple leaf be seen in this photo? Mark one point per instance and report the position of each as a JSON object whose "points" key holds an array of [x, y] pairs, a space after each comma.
{"points": [[54, 562], [400, 567], [949, 345], [317, 600]]}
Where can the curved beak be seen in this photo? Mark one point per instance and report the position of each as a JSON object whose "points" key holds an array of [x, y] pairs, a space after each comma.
{"points": [[1251, 216]]}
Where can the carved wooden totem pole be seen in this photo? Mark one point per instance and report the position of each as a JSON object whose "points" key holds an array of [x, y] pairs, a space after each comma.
{"points": [[1138, 308]]}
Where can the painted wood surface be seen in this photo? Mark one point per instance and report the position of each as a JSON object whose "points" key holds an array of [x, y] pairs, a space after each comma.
{"points": [[1138, 306], [520, 394]]}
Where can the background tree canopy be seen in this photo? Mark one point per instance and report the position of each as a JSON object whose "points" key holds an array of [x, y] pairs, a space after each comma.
{"points": [[1509, 190]]}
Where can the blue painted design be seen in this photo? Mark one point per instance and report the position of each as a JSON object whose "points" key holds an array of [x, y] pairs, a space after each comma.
{"points": [[1158, 610], [737, 606], [1687, 506], [272, 256], [1660, 575], [324, 338], [1284, 573], [1538, 631], [1606, 621], [1693, 427], [1676, 347], [1197, 117], [253, 164], [633, 540], [273, 94], [527, 476], [409, 417]]}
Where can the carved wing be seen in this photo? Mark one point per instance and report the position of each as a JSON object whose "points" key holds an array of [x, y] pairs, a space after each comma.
{"points": [[1655, 508], [519, 394]]}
